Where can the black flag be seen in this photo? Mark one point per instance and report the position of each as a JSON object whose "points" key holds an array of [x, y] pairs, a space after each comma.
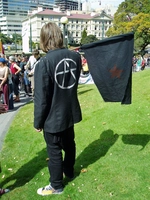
{"points": [[110, 64]]}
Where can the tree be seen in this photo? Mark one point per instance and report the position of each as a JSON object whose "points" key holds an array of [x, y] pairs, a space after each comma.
{"points": [[89, 39], [84, 35], [134, 7], [16, 38], [5, 39], [140, 24], [133, 16]]}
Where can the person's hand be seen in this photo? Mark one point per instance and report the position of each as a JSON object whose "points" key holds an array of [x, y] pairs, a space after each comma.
{"points": [[38, 130]]}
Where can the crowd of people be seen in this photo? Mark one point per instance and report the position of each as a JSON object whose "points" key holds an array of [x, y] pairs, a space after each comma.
{"points": [[16, 74], [140, 62]]}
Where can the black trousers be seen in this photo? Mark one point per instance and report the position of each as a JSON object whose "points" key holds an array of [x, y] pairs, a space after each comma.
{"points": [[15, 80], [56, 142]]}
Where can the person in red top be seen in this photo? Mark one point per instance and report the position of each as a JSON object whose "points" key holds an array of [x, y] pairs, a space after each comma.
{"points": [[15, 69]]}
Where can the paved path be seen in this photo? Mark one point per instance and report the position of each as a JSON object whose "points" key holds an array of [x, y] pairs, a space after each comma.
{"points": [[6, 118]]}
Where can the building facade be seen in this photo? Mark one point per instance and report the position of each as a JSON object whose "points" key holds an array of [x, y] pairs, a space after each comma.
{"points": [[94, 23], [13, 12], [69, 4]]}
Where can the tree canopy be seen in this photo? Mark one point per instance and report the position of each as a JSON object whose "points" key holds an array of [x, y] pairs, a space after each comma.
{"points": [[5, 39], [84, 35], [133, 16], [89, 39], [16, 38]]}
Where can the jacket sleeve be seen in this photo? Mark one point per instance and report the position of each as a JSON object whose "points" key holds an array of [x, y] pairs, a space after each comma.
{"points": [[43, 93]]}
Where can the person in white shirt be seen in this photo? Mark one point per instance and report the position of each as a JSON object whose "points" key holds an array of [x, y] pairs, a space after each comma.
{"points": [[30, 67]]}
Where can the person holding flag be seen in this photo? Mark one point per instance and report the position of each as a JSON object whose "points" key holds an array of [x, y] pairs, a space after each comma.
{"points": [[56, 105]]}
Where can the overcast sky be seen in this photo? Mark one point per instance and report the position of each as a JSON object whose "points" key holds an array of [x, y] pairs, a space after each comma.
{"points": [[95, 4]]}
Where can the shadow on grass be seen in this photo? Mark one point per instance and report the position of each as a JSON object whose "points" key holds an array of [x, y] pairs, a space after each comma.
{"points": [[22, 103], [136, 139], [82, 92], [96, 150], [27, 171]]}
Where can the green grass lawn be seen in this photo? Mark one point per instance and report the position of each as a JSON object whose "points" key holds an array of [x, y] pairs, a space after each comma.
{"points": [[113, 150]]}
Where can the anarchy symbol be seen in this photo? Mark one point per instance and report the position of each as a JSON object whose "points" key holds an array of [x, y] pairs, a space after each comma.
{"points": [[63, 69]]}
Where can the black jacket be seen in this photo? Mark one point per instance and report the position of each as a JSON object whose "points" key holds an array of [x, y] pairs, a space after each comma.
{"points": [[56, 106]]}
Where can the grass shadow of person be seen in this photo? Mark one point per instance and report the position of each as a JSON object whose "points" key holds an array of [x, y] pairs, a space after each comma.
{"points": [[136, 139], [82, 92], [22, 103], [27, 171], [95, 150]]}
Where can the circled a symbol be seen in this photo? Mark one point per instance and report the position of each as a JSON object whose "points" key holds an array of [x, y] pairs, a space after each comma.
{"points": [[64, 69]]}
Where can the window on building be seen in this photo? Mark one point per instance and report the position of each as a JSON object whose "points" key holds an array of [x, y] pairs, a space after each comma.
{"points": [[96, 28], [51, 18], [82, 28]]}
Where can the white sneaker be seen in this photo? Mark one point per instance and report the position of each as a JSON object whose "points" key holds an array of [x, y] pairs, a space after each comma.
{"points": [[48, 190]]}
